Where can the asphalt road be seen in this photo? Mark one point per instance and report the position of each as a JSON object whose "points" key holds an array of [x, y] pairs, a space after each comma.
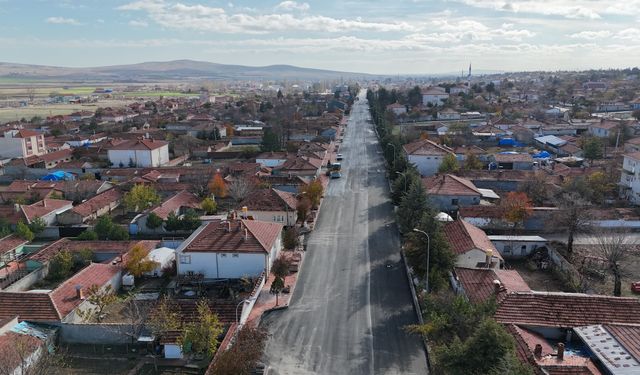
{"points": [[352, 300]]}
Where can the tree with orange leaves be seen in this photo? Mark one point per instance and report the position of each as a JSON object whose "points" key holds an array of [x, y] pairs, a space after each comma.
{"points": [[217, 186], [516, 208]]}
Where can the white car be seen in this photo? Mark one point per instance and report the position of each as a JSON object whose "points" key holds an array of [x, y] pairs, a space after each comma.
{"points": [[339, 157]]}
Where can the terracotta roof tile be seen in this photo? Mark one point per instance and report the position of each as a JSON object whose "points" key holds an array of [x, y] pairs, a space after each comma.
{"points": [[269, 200], [11, 357], [464, 237], [44, 207], [173, 204], [566, 309], [139, 144], [479, 285], [10, 242], [216, 237], [426, 147], [513, 158], [628, 336], [448, 184], [98, 202], [28, 306]]}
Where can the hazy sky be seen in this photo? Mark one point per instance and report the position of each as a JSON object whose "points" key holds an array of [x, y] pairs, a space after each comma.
{"points": [[374, 36]]}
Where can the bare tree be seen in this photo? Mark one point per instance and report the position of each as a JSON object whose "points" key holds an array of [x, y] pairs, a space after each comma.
{"points": [[31, 93], [26, 355], [240, 188], [616, 247], [572, 215]]}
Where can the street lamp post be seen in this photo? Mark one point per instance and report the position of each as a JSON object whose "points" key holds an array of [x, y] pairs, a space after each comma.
{"points": [[428, 255], [404, 177]]}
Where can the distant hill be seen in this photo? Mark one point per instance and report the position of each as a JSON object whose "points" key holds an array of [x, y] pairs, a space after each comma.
{"points": [[170, 70]]}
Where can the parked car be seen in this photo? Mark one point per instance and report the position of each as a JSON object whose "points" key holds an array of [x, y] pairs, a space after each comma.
{"points": [[336, 174], [635, 287]]}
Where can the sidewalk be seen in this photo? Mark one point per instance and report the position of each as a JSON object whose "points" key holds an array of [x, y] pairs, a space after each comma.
{"points": [[267, 301]]}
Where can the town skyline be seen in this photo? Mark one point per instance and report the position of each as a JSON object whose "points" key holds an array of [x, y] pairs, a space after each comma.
{"points": [[409, 37]]}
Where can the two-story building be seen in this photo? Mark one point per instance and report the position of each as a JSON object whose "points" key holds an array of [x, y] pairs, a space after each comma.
{"points": [[230, 249], [139, 153], [630, 178], [22, 143], [426, 155]]}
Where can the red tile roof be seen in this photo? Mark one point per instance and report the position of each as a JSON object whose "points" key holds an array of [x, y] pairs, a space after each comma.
{"points": [[464, 237], [28, 306], [173, 204], [479, 284], [513, 158], [566, 309], [448, 184], [10, 242], [548, 364], [65, 297], [426, 147], [44, 207], [216, 237], [25, 133], [628, 336], [98, 202], [139, 144], [301, 163], [11, 355], [269, 200]]}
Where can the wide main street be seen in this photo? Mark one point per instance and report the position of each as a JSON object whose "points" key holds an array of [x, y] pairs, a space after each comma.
{"points": [[352, 300]]}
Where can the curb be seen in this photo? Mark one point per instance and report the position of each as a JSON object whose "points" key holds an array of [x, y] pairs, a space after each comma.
{"points": [[277, 308]]}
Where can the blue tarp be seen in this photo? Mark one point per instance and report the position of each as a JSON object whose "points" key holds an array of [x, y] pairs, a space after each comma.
{"points": [[510, 142], [542, 155], [58, 176]]}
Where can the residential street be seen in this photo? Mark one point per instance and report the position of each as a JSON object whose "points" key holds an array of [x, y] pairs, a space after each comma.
{"points": [[352, 300]]}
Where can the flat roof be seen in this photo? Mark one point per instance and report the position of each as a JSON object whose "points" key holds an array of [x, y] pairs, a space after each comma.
{"points": [[614, 356], [518, 238]]}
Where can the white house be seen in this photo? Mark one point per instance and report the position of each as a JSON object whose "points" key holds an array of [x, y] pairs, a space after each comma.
{"points": [[271, 205], [434, 95], [230, 249], [630, 178], [604, 129], [46, 209], [163, 256], [517, 246], [426, 155], [448, 114], [139, 153], [471, 246], [397, 109], [22, 143]]}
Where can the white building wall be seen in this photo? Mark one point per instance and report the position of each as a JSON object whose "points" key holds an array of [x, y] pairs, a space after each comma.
{"points": [[279, 217], [141, 158], [471, 258], [517, 249], [12, 147], [427, 165], [434, 99], [221, 265], [630, 177]]}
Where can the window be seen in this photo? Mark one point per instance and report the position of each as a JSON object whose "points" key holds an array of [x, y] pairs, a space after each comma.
{"points": [[454, 202], [507, 249], [185, 259], [236, 255], [223, 255]]}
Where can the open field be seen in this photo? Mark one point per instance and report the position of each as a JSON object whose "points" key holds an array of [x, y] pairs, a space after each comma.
{"points": [[40, 91], [13, 114]]}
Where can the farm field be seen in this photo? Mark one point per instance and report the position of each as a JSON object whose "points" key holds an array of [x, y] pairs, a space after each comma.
{"points": [[13, 114]]}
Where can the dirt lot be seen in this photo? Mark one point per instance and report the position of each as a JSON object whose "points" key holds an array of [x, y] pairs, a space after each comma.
{"points": [[13, 114], [105, 366], [539, 280], [599, 279]]}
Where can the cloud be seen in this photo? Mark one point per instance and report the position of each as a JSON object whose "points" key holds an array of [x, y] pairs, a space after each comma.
{"points": [[203, 18], [573, 9], [138, 23], [591, 35], [293, 5], [62, 21]]}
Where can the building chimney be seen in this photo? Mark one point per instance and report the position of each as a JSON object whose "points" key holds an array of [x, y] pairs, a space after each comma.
{"points": [[79, 292], [246, 234], [228, 226], [497, 286], [537, 352], [44, 202], [16, 207], [489, 255], [560, 354]]}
